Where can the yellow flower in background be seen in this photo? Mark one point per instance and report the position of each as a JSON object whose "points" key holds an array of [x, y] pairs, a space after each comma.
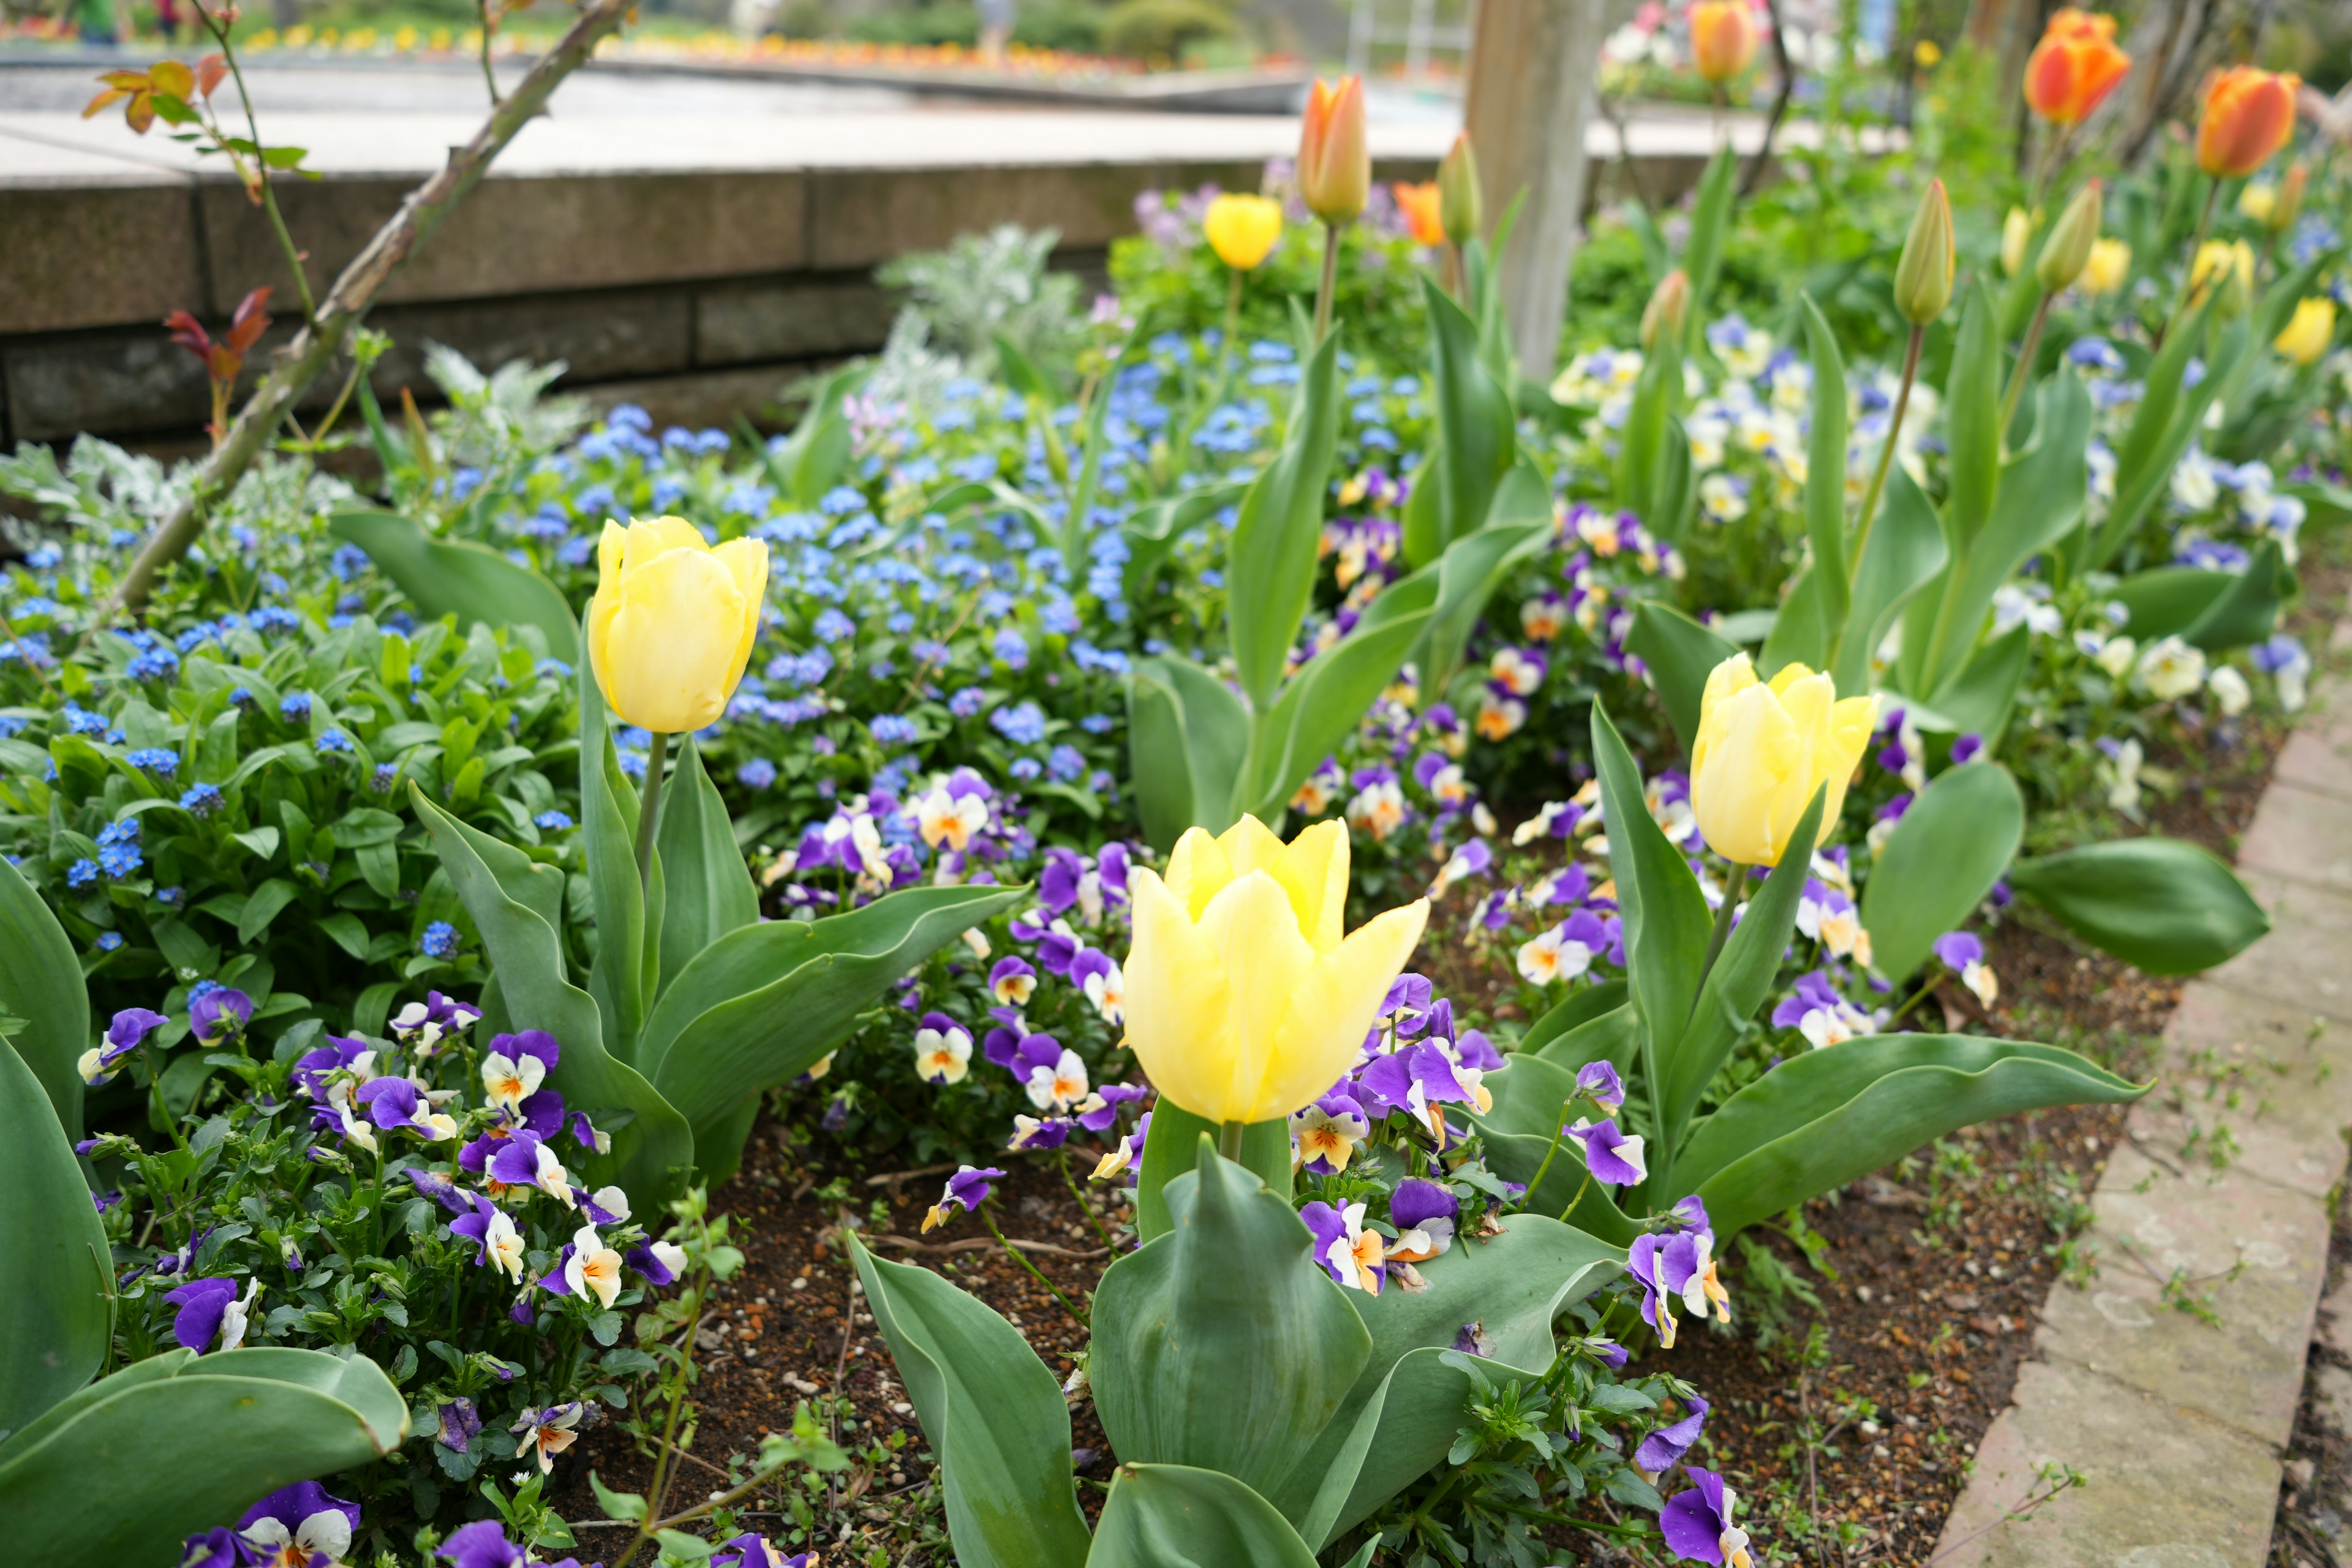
{"points": [[1763, 749], [2016, 234], [2308, 333], [2257, 200], [1928, 54], [1242, 229], [1723, 38], [671, 625], [2109, 264], [2221, 260], [1244, 1002]]}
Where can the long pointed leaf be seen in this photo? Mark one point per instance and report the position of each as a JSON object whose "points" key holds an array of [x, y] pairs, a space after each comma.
{"points": [[1473, 438], [628, 923], [992, 1413], [2164, 904], [41, 983], [1176, 1516], [1941, 861], [57, 1314], [1972, 423], [1270, 563], [1188, 736], [706, 888], [461, 577], [1681, 653], [1173, 1145], [1154, 529], [1323, 704], [1904, 554], [1826, 473]]}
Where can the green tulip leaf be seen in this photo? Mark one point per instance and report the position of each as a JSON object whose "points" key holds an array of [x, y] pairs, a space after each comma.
{"points": [[459, 577], [1326, 701], [1938, 864], [41, 983], [815, 456], [1681, 654], [1154, 529], [1825, 478], [1469, 573], [1972, 424], [1473, 438], [1187, 737], [628, 912], [2215, 611], [2166, 905], [1584, 1005], [1406, 1406], [1703, 251], [1905, 552], [1222, 1344], [56, 1315], [1800, 632], [992, 1413], [1172, 1145], [1823, 1118], [198, 1439], [1530, 1091], [515, 902], [1270, 561], [1177, 1515], [1646, 482], [706, 888], [2169, 417], [1977, 699], [727, 1030]]}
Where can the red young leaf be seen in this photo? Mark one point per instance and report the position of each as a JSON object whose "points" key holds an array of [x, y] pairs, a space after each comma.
{"points": [[190, 334], [252, 320], [209, 72]]}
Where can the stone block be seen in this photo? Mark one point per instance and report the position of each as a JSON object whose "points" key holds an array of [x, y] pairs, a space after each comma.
{"points": [[2254, 1070], [98, 255], [2165, 1488], [2302, 835], [2301, 963], [598, 334], [860, 218], [111, 383], [2249, 1253], [2318, 757], [789, 318]]}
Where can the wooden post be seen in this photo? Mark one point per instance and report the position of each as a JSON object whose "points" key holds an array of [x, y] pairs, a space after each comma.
{"points": [[1531, 91]]}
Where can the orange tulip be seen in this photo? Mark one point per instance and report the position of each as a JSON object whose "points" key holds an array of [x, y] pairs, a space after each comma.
{"points": [[1335, 162], [1723, 38], [2249, 115], [2075, 66], [1423, 211]]}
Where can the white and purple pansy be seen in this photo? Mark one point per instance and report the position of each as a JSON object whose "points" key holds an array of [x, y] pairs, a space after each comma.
{"points": [[1664, 1449], [1697, 1524], [1961, 952], [541, 1435], [125, 1034], [1100, 1110], [295, 1525], [660, 1262], [1127, 1155], [1642, 1261], [591, 1269], [484, 1544], [942, 1049], [966, 1189], [1098, 975], [1039, 1133], [525, 1160], [513, 1073], [1348, 1249], [605, 1205], [215, 1548], [211, 1309], [1012, 982], [1816, 1010], [1056, 1084], [492, 1229], [402, 1104], [1424, 1215], [1598, 1082], [1324, 1135], [1614, 1157], [219, 1015], [751, 1550]]}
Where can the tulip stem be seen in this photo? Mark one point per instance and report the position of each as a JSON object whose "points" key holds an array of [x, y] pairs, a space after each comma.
{"points": [[1229, 1140], [1886, 449], [1331, 282], [649, 810], [2189, 279], [2023, 372], [1722, 932]]}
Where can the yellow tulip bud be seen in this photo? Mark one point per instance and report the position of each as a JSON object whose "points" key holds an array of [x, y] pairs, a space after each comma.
{"points": [[1458, 203], [1668, 309], [2289, 205], [2231, 264], [2309, 332], [1763, 749], [1244, 1002], [2257, 200], [1923, 277], [1243, 230], [2016, 234], [2109, 265], [2068, 249], [671, 625]]}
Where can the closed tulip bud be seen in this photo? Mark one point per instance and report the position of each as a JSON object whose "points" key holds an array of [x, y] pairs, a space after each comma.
{"points": [[2068, 249], [2248, 115], [1422, 207], [1243, 230], [2016, 234], [1723, 38], [2109, 265], [671, 625], [2288, 205], [2075, 66], [2258, 200], [1244, 1002], [1763, 749], [2308, 333], [1335, 161], [1923, 277], [1459, 203], [2232, 263], [1668, 309]]}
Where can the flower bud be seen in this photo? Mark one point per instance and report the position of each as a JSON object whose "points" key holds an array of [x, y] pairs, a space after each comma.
{"points": [[1423, 208], [2109, 265], [2249, 115], [2287, 205], [2016, 234], [2068, 249], [2075, 66], [1668, 309], [2310, 331], [1723, 38], [1335, 162], [1242, 229], [1923, 277], [1457, 192], [2231, 265]]}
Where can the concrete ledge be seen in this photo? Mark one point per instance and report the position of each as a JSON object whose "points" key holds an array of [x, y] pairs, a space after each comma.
{"points": [[2172, 1381]]}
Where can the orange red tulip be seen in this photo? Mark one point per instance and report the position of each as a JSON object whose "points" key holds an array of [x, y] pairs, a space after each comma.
{"points": [[1423, 210], [2249, 115], [1723, 38], [1335, 161], [2075, 66]]}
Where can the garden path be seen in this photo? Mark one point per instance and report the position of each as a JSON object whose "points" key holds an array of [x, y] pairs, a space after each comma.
{"points": [[2171, 1382]]}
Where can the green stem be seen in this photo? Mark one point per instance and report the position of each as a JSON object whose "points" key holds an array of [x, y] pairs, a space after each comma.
{"points": [[490, 78], [1086, 1208], [1579, 1198], [1329, 283], [1229, 1140], [649, 810], [1034, 1272], [1558, 1132], [2188, 276], [1886, 452], [656, 1492], [2023, 372], [220, 33], [157, 1111], [1721, 933]]}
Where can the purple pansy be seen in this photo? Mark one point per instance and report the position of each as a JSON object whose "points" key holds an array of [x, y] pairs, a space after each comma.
{"points": [[1424, 1214], [1664, 1449], [1598, 1082], [459, 1423], [440, 1189], [481, 1544], [215, 1548], [1697, 1523], [1611, 1155], [966, 1189], [219, 1015], [294, 1524], [1959, 949], [750, 1550], [204, 1306]]}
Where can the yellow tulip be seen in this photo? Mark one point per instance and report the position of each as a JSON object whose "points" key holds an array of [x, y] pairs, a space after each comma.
{"points": [[671, 627], [1244, 1003], [2310, 331], [1243, 230], [1763, 749], [2016, 233], [2109, 264], [2231, 263]]}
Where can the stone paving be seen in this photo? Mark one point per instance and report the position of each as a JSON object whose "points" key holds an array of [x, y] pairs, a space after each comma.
{"points": [[2171, 1381]]}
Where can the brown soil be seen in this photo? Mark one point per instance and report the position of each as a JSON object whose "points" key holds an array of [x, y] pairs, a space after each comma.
{"points": [[2316, 1494]]}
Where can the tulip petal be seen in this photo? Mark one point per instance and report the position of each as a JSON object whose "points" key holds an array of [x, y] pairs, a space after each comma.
{"points": [[1178, 1002], [1198, 869], [611, 546], [670, 647], [651, 537], [1313, 870], [1250, 845], [1250, 928], [1332, 1008], [1737, 776], [746, 560]]}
